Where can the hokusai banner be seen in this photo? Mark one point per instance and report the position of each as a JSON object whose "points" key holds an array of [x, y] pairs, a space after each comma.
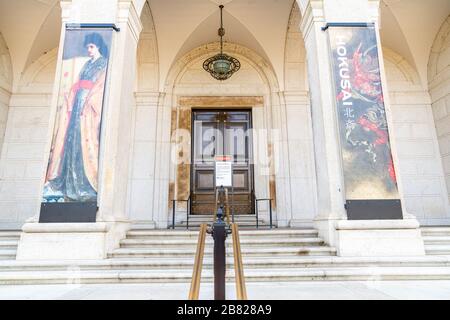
{"points": [[369, 175], [71, 181]]}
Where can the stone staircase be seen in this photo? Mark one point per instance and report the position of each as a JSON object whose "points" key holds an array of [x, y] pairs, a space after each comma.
{"points": [[268, 255], [262, 243], [8, 244], [244, 221], [437, 240]]}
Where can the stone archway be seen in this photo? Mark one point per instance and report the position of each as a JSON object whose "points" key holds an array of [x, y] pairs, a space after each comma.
{"points": [[284, 111], [188, 79]]}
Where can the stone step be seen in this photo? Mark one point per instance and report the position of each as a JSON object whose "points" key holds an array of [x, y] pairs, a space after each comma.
{"points": [[253, 275], [190, 252], [9, 244], [247, 224], [165, 243], [177, 234], [6, 254], [436, 240], [241, 228], [435, 231], [9, 237], [195, 221], [237, 217], [249, 264], [437, 249], [10, 232], [210, 221]]}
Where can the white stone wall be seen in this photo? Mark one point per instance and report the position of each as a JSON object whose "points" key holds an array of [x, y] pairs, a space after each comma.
{"points": [[5, 87], [142, 168], [299, 127], [4, 106], [439, 86], [142, 175], [22, 162], [416, 141]]}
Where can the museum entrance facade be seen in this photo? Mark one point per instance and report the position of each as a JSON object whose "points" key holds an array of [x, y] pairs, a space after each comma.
{"points": [[222, 134]]}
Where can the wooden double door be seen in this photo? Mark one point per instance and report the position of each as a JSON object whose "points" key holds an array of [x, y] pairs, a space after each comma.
{"points": [[215, 133]]}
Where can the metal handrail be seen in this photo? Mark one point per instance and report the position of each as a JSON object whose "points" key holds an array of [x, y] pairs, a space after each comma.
{"points": [[188, 209], [257, 211], [198, 264], [241, 291]]}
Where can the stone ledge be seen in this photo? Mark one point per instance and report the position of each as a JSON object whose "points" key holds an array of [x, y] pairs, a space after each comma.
{"points": [[379, 238], [65, 227], [377, 224]]}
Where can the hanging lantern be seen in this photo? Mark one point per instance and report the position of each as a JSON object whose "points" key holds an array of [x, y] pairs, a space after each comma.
{"points": [[221, 66]]}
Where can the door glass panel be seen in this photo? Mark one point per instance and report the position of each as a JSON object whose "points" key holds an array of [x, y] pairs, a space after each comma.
{"points": [[205, 145], [236, 141]]}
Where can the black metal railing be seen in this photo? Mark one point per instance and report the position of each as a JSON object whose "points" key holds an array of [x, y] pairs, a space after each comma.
{"points": [[256, 201], [188, 210], [255, 205]]}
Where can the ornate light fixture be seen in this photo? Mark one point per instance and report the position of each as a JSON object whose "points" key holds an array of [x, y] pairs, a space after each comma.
{"points": [[221, 66]]}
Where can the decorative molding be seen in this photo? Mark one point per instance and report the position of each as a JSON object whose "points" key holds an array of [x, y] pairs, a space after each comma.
{"points": [[127, 14], [147, 98], [66, 10], [255, 60], [439, 44], [313, 13], [220, 101], [374, 7]]}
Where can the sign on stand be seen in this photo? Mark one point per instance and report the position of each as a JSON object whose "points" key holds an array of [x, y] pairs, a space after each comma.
{"points": [[224, 171]]}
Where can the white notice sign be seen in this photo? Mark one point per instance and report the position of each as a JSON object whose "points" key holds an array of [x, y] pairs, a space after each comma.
{"points": [[223, 173]]}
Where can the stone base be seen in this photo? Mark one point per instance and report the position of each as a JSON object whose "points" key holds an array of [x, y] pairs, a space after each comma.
{"points": [[69, 241], [301, 224], [378, 238], [144, 225]]}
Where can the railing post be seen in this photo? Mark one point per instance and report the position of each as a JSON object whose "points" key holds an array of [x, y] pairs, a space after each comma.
{"points": [[257, 214], [188, 209], [270, 212], [187, 217], [173, 214], [219, 234]]}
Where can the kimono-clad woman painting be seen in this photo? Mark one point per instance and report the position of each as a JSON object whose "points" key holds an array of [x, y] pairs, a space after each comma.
{"points": [[73, 164]]}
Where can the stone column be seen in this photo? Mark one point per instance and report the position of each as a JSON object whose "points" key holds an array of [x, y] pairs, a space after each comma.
{"points": [[96, 240], [351, 238], [326, 144], [163, 162]]}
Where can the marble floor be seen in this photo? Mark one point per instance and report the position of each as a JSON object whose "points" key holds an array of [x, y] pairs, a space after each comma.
{"points": [[349, 290]]}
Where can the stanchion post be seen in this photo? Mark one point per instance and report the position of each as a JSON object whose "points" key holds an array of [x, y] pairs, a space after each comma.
{"points": [[173, 214], [219, 234]]}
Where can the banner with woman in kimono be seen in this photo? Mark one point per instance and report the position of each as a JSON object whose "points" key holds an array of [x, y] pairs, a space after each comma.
{"points": [[72, 173]]}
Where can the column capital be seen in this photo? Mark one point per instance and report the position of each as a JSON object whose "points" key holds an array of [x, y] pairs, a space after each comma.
{"points": [[374, 10], [127, 14], [313, 12], [66, 6]]}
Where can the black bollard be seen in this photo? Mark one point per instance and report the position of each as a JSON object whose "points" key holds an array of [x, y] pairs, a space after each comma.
{"points": [[219, 234]]}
